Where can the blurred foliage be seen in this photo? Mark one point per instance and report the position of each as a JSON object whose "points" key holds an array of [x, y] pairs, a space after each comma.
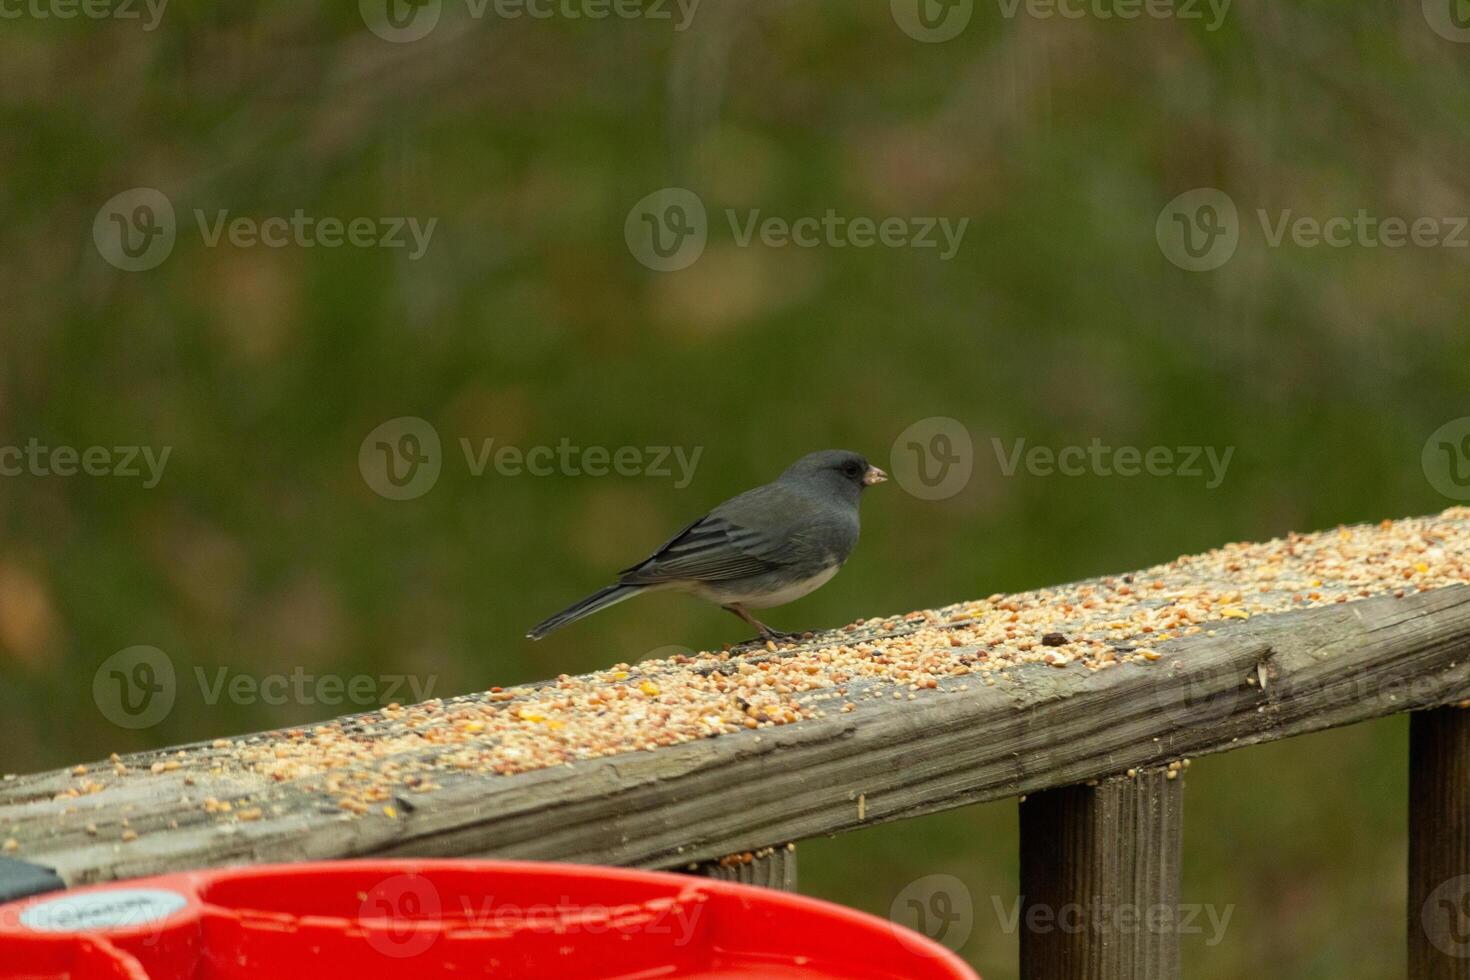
{"points": [[263, 550]]}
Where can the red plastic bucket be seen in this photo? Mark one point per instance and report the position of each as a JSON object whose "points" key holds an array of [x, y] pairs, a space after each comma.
{"points": [[363, 920]]}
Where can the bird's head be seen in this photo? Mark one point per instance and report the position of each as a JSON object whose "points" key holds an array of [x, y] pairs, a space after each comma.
{"points": [[847, 473]]}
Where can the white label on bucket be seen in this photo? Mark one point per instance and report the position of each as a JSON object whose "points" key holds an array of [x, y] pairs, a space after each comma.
{"points": [[116, 909]]}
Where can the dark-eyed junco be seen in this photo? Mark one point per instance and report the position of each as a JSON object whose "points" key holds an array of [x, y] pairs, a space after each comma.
{"points": [[764, 548]]}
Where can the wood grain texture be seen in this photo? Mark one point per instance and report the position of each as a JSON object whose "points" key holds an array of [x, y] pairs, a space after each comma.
{"points": [[1100, 872], [1037, 728], [773, 868], [1439, 845]]}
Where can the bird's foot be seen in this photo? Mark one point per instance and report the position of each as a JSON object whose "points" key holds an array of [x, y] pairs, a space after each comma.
{"points": [[768, 636]]}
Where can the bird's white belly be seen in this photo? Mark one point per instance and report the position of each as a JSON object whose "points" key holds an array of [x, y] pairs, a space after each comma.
{"points": [[786, 593], [794, 591]]}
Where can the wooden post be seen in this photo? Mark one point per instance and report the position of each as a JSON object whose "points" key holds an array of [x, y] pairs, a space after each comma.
{"points": [[1100, 880], [1439, 845], [770, 868]]}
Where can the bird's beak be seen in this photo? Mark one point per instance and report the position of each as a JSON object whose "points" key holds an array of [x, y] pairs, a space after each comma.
{"points": [[874, 475]]}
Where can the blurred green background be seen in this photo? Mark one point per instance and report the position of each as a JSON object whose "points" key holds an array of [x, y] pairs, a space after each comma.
{"points": [[263, 549]]}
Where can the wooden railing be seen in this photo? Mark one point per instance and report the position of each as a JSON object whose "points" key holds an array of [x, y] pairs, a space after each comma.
{"points": [[1095, 755]]}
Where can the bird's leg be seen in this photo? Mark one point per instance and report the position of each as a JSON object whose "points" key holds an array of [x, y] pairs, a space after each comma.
{"points": [[766, 633]]}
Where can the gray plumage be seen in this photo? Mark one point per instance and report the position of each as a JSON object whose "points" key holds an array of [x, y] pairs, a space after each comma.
{"points": [[764, 548]]}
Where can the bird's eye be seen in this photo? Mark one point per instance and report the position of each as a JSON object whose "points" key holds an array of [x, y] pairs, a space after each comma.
{"points": [[851, 469]]}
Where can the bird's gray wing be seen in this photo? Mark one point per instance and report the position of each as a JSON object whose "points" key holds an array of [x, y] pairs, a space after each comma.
{"points": [[749, 535]]}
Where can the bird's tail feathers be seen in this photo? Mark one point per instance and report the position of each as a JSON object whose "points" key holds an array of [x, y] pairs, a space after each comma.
{"points": [[598, 600]]}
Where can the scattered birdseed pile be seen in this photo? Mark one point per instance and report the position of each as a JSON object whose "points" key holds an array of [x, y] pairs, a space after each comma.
{"points": [[372, 763]]}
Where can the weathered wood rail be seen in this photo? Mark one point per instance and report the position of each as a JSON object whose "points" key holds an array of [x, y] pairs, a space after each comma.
{"points": [[1095, 753]]}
